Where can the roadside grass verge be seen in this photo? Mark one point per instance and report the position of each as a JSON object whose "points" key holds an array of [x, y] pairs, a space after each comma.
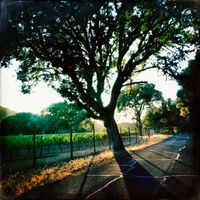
{"points": [[22, 181]]}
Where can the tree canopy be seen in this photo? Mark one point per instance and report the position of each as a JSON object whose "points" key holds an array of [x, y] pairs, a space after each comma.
{"points": [[79, 47], [138, 98], [189, 96], [61, 116], [57, 118], [21, 123], [166, 118]]}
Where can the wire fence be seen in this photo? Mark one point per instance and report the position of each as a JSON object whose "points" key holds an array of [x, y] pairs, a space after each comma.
{"points": [[13, 159]]}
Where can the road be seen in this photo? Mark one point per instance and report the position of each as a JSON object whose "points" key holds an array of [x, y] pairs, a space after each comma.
{"points": [[161, 171]]}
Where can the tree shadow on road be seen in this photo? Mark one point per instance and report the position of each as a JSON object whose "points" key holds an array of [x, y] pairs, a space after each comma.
{"points": [[82, 184], [147, 161], [139, 183], [167, 157]]}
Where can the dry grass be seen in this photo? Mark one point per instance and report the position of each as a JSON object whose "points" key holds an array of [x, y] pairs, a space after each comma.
{"points": [[153, 140], [20, 182]]}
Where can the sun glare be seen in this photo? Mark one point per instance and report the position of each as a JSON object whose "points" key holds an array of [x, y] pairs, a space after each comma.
{"points": [[42, 96], [11, 96]]}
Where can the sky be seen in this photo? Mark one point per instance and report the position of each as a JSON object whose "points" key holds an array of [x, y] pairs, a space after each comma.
{"points": [[42, 96]]}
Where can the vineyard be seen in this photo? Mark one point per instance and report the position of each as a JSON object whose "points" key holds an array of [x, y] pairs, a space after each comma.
{"points": [[26, 151], [26, 141]]}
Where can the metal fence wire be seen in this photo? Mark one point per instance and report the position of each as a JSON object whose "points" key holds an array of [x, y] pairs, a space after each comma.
{"points": [[38, 155]]}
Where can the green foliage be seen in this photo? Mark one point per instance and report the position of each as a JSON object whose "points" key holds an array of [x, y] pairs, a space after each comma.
{"points": [[60, 116], [79, 45], [167, 117], [189, 94], [139, 97], [56, 118], [188, 79], [21, 123], [182, 103], [26, 141], [76, 47]]}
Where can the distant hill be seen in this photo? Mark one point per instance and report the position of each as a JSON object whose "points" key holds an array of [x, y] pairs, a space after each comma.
{"points": [[124, 126], [5, 112], [99, 127]]}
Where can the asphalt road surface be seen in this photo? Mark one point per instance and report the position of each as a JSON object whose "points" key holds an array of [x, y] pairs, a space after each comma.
{"points": [[161, 171]]}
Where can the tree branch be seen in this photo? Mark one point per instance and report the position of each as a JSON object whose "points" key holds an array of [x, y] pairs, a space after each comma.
{"points": [[80, 104], [141, 70], [132, 83]]}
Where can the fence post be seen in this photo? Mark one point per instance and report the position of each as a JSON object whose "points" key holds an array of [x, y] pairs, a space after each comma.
{"points": [[34, 147], [129, 135], [148, 133], [94, 139], [71, 144], [79, 145], [109, 143], [136, 137], [41, 147]]}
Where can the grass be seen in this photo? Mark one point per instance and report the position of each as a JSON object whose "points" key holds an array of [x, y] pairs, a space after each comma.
{"points": [[21, 182]]}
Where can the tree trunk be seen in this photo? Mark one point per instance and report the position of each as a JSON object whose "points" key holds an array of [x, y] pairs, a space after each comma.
{"points": [[140, 129], [194, 112], [113, 134], [139, 123]]}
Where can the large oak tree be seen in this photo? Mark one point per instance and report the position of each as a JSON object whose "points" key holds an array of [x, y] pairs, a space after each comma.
{"points": [[79, 47]]}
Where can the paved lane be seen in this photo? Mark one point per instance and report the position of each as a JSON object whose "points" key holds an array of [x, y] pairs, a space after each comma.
{"points": [[161, 171], [157, 173]]}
